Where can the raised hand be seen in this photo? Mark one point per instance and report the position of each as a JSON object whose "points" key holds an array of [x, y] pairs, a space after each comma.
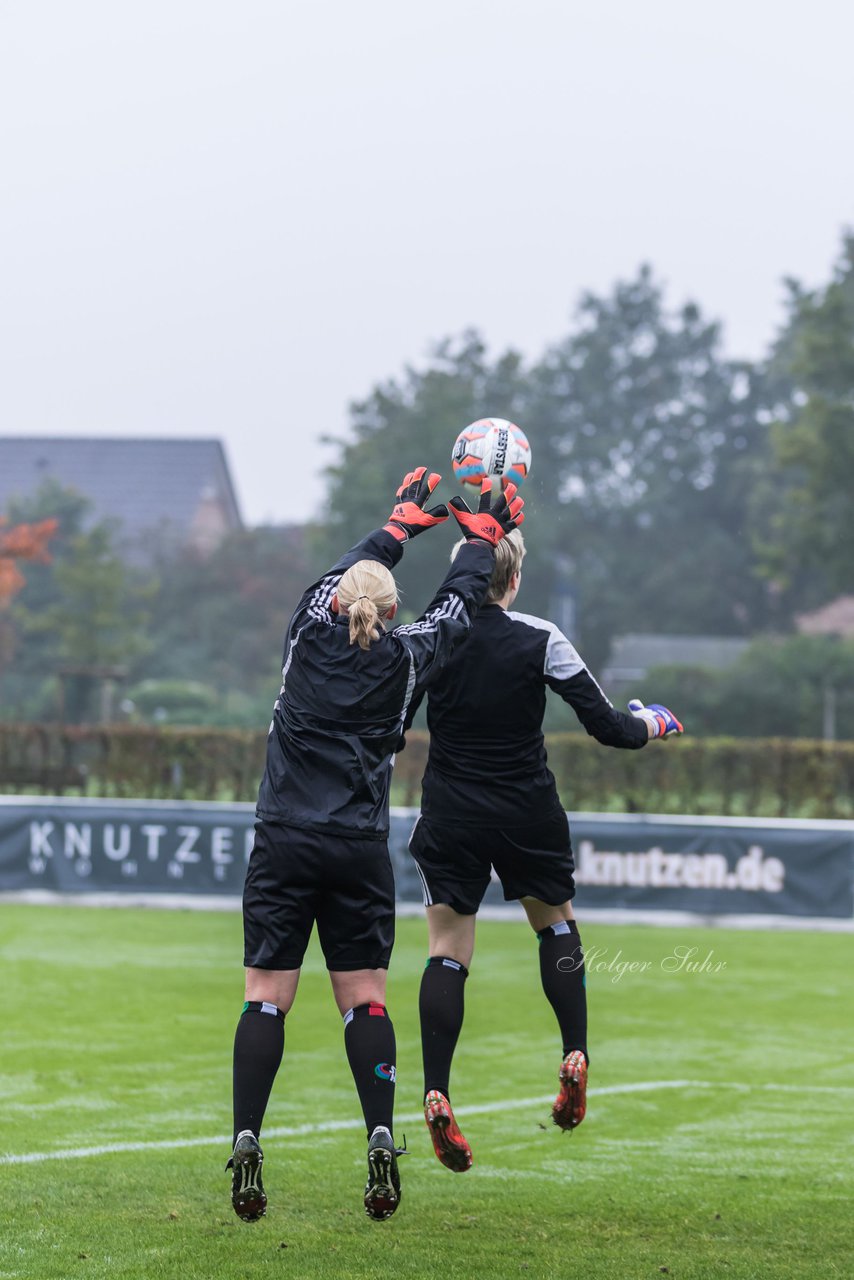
{"points": [[409, 517], [494, 517]]}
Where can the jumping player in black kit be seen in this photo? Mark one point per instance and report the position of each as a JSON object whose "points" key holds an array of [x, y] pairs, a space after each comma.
{"points": [[489, 800], [320, 851]]}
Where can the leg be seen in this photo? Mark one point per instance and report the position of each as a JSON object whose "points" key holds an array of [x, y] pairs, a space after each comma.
{"points": [[258, 1045], [542, 914], [369, 1041], [455, 866], [561, 969], [352, 987], [441, 999], [441, 1006], [278, 914], [356, 928], [563, 978], [536, 866]]}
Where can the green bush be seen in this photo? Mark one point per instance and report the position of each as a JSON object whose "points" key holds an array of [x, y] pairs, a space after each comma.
{"points": [[779, 777], [780, 686], [131, 761]]}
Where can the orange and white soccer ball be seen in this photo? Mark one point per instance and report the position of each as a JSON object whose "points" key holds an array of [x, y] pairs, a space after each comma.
{"points": [[493, 448]]}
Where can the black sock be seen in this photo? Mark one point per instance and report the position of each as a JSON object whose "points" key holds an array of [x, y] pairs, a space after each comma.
{"points": [[258, 1045], [564, 982], [441, 1004], [370, 1044]]}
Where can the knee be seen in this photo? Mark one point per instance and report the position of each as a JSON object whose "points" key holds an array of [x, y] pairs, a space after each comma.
{"points": [[270, 986], [454, 953], [353, 989]]}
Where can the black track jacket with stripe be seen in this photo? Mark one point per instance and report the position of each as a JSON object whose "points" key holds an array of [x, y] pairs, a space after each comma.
{"points": [[339, 716], [487, 758]]}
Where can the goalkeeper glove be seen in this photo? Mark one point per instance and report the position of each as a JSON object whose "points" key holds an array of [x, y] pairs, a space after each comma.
{"points": [[494, 517], [409, 517], [662, 723]]}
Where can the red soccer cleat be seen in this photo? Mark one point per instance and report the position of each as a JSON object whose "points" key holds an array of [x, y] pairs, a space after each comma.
{"points": [[449, 1144], [570, 1105]]}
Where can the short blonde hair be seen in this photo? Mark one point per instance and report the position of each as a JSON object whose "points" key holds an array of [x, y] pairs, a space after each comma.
{"points": [[509, 554], [366, 593]]}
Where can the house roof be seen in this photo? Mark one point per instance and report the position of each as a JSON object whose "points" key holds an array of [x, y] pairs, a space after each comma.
{"points": [[633, 655], [170, 485], [834, 619]]}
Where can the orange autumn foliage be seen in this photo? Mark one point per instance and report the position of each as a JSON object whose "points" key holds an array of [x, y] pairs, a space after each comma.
{"points": [[21, 542]]}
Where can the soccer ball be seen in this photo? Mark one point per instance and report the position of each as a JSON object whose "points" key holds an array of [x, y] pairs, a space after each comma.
{"points": [[493, 448]]}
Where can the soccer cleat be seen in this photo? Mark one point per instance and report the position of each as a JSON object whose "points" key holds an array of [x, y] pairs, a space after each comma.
{"points": [[449, 1144], [382, 1192], [247, 1189], [570, 1105]]}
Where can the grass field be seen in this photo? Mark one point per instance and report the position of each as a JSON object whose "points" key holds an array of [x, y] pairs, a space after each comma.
{"points": [[727, 1154]]}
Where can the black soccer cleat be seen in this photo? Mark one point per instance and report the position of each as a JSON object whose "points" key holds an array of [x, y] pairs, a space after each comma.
{"points": [[247, 1189], [382, 1193]]}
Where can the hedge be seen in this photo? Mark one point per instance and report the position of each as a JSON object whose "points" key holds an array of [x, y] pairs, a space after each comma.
{"points": [[131, 762], [777, 777]]}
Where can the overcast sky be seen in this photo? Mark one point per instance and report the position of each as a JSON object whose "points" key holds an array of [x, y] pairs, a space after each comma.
{"points": [[232, 219]]}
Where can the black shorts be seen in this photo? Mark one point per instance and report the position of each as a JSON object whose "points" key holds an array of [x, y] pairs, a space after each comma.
{"points": [[296, 877], [455, 862]]}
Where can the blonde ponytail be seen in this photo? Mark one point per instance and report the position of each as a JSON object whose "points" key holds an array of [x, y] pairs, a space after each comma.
{"points": [[366, 593], [364, 622]]}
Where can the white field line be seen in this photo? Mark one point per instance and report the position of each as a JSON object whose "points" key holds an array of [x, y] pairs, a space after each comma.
{"points": [[338, 1126]]}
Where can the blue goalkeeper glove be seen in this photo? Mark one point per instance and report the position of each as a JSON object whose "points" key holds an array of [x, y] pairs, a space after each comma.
{"points": [[662, 723]]}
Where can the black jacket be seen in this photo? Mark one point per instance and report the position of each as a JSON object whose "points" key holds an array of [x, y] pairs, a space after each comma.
{"points": [[340, 713], [487, 760]]}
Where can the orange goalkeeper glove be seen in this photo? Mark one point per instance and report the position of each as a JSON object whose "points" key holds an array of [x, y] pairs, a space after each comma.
{"points": [[494, 517], [409, 517]]}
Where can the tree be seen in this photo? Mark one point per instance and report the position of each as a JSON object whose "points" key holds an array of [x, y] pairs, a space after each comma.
{"points": [[405, 423], [646, 448], [21, 542], [809, 546], [653, 442], [81, 608], [785, 687], [220, 619], [205, 628], [18, 542]]}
